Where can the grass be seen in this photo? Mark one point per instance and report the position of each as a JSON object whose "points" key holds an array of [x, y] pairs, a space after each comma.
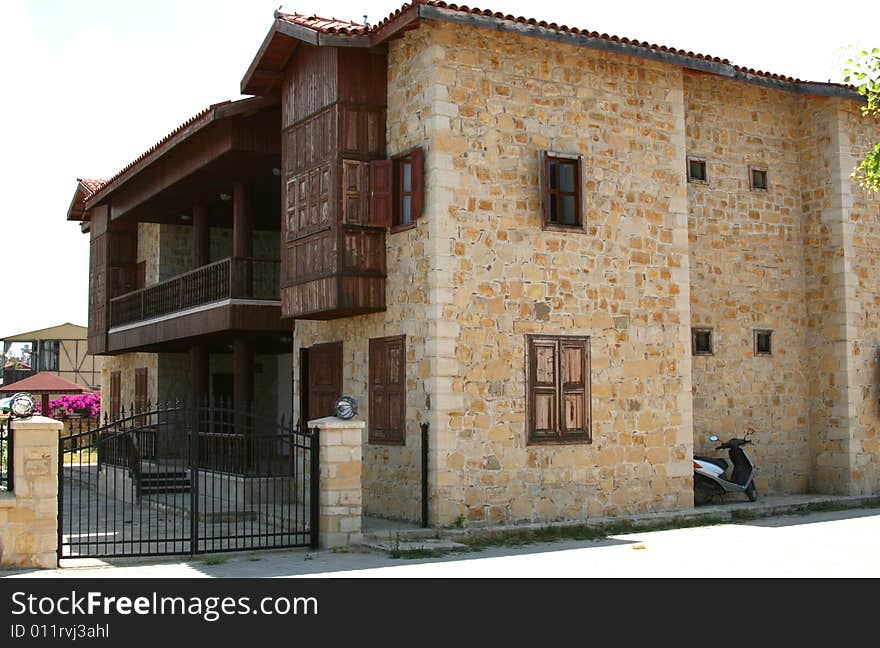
{"points": [[412, 554], [215, 560]]}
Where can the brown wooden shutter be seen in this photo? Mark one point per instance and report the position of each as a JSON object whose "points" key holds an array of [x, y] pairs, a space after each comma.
{"points": [[381, 184], [355, 182], [378, 402], [388, 390], [115, 393], [418, 183], [575, 388], [543, 389], [140, 389]]}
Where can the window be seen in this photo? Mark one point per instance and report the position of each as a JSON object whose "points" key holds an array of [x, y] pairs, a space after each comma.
{"points": [[558, 389], [697, 170], [763, 342], [561, 182], [388, 391], [701, 341], [758, 179], [397, 190], [47, 360]]}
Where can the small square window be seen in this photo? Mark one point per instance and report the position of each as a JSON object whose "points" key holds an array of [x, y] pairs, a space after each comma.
{"points": [[763, 342], [701, 341], [758, 179], [697, 170]]}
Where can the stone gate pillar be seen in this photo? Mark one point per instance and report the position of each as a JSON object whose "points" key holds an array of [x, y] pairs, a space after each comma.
{"points": [[339, 492], [29, 514]]}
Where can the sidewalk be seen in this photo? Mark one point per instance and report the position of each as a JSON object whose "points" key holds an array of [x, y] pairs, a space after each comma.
{"points": [[360, 561]]}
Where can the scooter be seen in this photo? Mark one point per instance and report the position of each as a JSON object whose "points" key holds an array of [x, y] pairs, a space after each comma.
{"points": [[715, 477]]}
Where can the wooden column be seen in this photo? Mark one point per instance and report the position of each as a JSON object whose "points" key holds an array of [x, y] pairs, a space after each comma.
{"points": [[201, 236], [242, 221], [198, 367]]}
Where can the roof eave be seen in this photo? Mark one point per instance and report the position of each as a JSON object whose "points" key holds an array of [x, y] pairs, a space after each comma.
{"points": [[629, 49], [214, 113]]}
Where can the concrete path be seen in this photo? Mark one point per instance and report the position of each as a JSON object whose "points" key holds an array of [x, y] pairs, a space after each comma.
{"points": [[838, 544]]}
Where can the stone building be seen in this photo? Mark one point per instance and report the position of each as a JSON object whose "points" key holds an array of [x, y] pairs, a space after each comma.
{"points": [[573, 256]]}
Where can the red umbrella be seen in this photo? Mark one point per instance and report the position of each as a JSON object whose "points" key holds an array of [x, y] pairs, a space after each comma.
{"points": [[44, 384]]}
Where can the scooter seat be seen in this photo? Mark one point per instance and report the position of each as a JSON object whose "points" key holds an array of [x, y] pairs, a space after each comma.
{"points": [[721, 463]]}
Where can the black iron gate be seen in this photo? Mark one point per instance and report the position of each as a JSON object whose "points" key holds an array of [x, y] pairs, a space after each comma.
{"points": [[182, 479]]}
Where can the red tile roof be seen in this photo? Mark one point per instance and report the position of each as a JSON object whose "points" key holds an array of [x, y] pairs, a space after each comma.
{"points": [[324, 25], [91, 186], [45, 382]]}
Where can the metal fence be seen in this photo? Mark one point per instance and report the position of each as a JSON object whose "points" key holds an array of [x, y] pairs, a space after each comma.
{"points": [[182, 479]]}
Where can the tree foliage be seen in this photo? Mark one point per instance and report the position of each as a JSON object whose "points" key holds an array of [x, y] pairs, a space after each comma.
{"points": [[863, 71]]}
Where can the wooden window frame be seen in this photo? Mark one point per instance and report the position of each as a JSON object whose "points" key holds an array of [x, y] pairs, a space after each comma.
{"points": [[699, 160], [758, 169], [576, 160], [396, 437], [697, 352], [757, 334], [561, 437], [416, 192]]}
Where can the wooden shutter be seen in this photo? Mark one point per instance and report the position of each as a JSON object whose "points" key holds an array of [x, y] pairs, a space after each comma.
{"points": [[558, 389], [543, 389], [388, 391], [115, 393], [355, 204], [575, 388], [140, 389], [378, 401], [381, 183], [418, 183], [545, 186]]}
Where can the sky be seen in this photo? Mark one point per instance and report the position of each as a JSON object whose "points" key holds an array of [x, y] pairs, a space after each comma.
{"points": [[88, 85]]}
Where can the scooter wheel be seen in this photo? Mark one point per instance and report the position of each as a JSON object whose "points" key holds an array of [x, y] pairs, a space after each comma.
{"points": [[752, 492]]}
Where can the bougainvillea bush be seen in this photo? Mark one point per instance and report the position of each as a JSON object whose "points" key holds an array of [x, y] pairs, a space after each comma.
{"points": [[76, 404]]}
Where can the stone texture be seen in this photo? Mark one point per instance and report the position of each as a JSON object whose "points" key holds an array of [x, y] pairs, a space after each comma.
{"points": [[341, 504], [29, 515]]}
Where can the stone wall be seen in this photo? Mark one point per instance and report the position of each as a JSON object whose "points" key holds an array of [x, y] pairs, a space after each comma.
{"points": [[148, 251], [624, 281], [858, 136], [126, 364], [267, 245], [747, 273]]}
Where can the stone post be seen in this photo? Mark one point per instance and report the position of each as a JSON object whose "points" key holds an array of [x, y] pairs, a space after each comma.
{"points": [[29, 515], [340, 481]]}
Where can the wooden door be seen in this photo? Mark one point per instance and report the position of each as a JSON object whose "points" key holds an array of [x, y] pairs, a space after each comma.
{"points": [[324, 379]]}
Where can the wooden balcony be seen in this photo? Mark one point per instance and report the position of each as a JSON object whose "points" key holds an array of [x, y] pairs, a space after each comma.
{"points": [[233, 294]]}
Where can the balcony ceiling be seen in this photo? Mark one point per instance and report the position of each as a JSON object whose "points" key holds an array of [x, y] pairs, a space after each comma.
{"points": [[235, 142]]}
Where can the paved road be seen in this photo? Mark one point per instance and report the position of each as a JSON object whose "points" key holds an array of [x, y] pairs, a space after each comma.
{"points": [[842, 544]]}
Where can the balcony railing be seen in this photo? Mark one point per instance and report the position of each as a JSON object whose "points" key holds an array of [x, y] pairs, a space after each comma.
{"points": [[231, 278]]}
